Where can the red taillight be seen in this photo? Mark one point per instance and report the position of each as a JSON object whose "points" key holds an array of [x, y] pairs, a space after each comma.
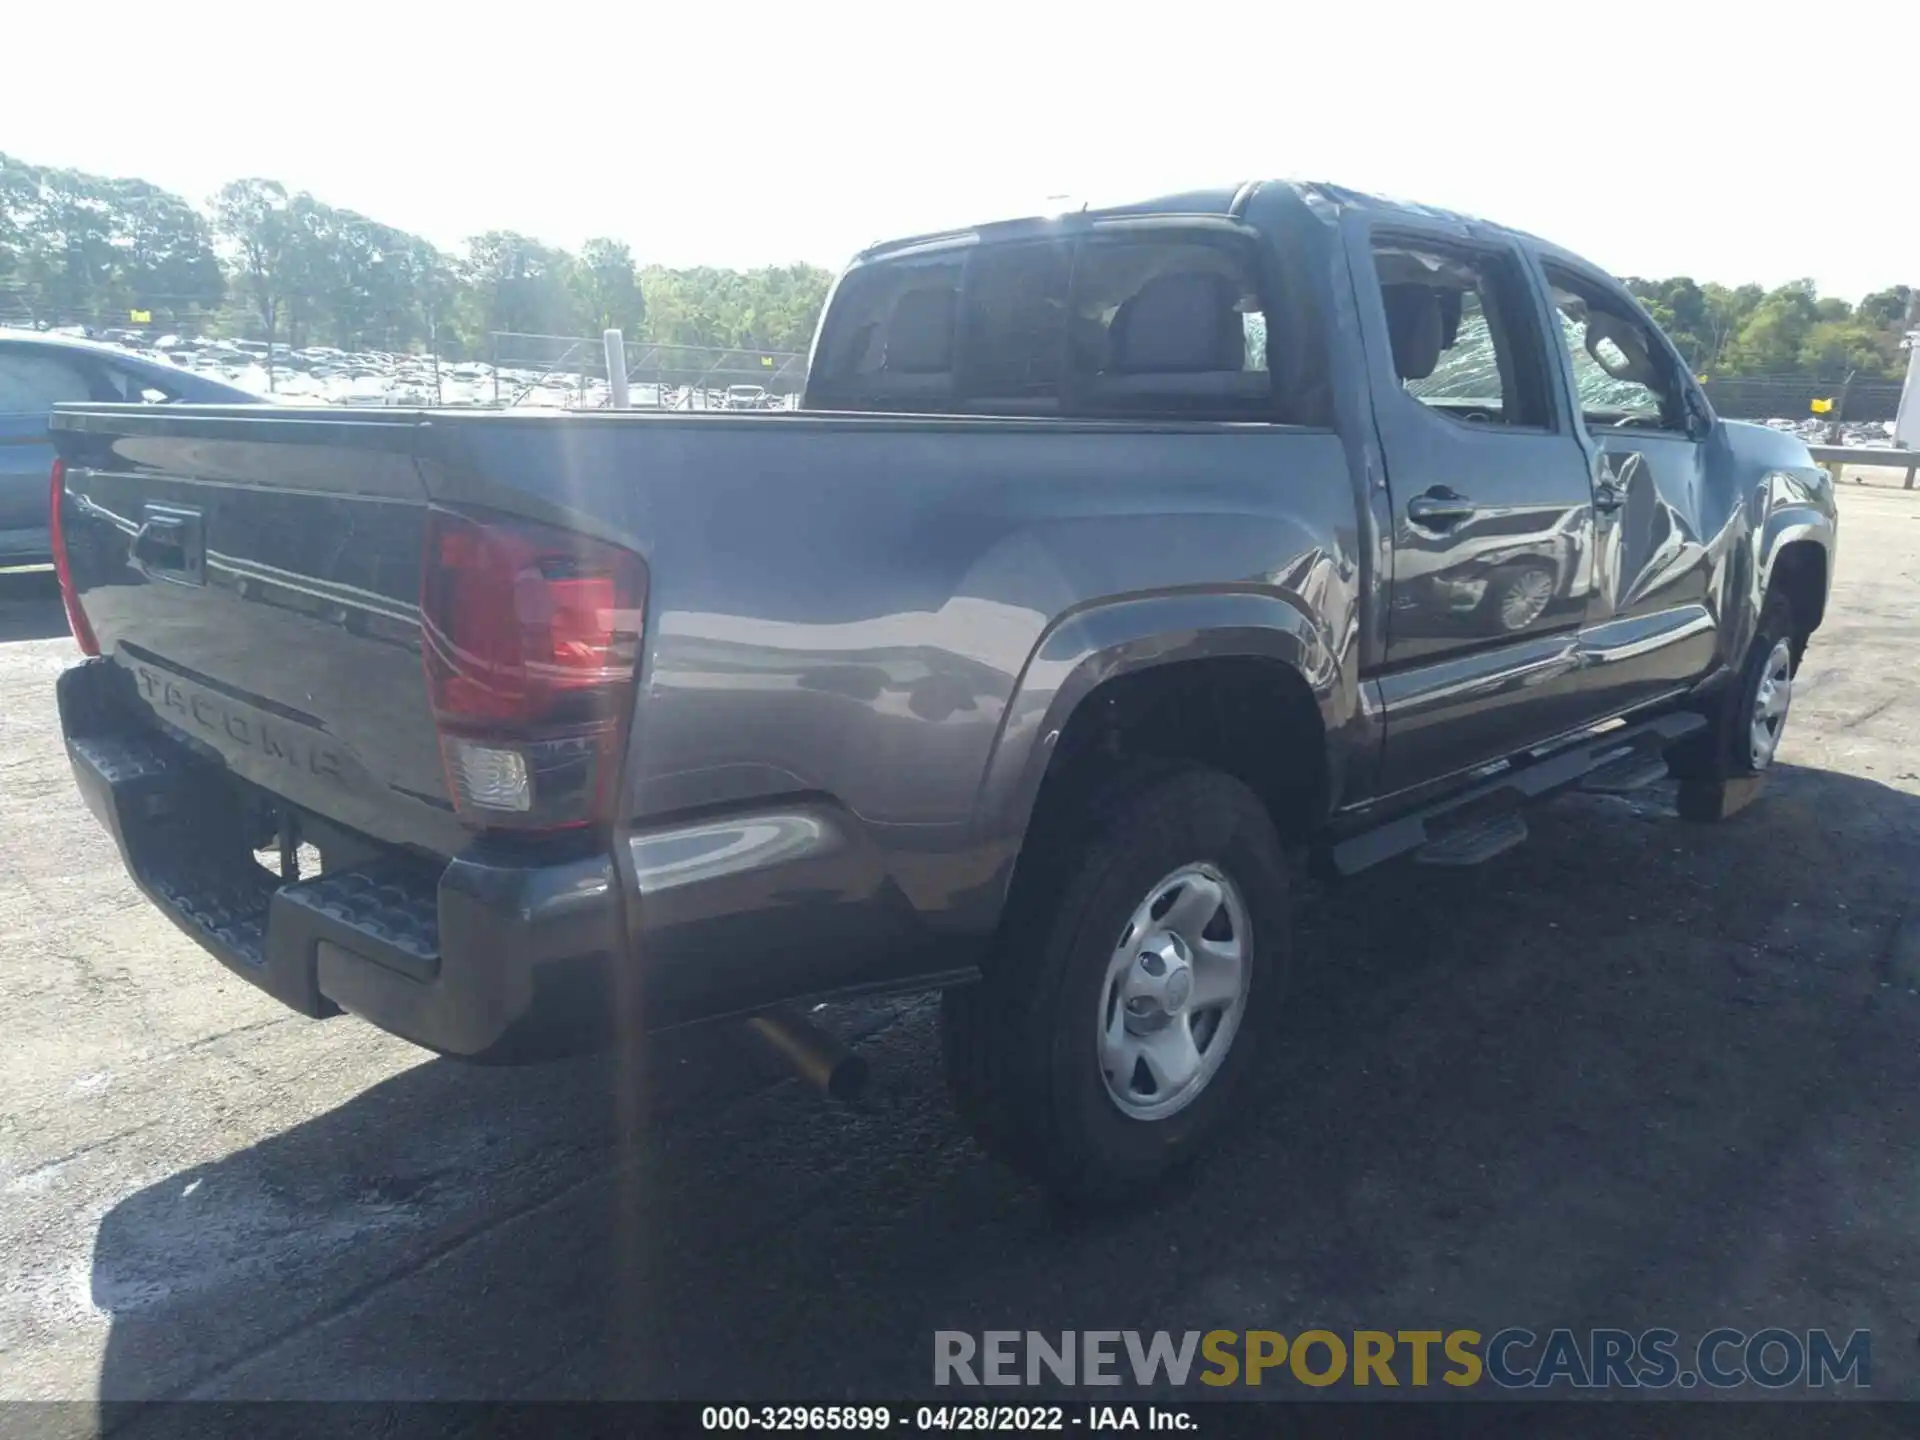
{"points": [[530, 637], [57, 533]]}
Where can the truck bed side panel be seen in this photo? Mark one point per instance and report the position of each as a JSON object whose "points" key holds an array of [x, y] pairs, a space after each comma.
{"points": [[845, 607]]}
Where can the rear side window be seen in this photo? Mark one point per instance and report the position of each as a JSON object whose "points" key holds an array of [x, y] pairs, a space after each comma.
{"points": [[32, 384], [1156, 323], [890, 339]]}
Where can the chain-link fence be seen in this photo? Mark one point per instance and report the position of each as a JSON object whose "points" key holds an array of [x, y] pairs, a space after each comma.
{"points": [[20, 309], [1791, 397], [560, 369]]}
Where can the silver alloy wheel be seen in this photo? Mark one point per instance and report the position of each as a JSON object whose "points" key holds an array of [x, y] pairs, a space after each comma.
{"points": [[1770, 701], [1525, 599], [1175, 992]]}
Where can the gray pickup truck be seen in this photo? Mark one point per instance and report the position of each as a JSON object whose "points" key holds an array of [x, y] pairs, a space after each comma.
{"points": [[1114, 565]]}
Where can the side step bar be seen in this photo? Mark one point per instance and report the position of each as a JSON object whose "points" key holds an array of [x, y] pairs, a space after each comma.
{"points": [[1471, 844], [1483, 820], [1627, 773]]}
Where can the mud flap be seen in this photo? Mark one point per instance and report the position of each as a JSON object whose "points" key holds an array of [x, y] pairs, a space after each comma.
{"points": [[1706, 801]]}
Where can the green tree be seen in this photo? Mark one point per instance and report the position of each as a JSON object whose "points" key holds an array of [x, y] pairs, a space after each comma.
{"points": [[770, 309], [514, 283], [81, 246], [1681, 308], [1843, 347], [75, 246], [1887, 309], [19, 190], [168, 264], [252, 217], [72, 263], [1727, 311], [1770, 338], [607, 288]]}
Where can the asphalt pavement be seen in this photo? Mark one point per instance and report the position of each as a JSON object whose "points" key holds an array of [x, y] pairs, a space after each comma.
{"points": [[1635, 1073]]}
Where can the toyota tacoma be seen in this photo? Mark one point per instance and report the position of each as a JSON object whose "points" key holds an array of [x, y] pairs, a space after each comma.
{"points": [[1113, 562]]}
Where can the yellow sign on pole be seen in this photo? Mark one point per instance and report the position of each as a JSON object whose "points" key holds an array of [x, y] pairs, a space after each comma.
{"points": [[766, 361], [140, 317], [1823, 407]]}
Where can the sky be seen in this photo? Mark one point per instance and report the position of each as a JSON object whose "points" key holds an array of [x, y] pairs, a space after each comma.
{"points": [[1655, 139]]}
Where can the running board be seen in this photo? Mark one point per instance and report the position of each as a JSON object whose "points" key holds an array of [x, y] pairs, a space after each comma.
{"points": [[1626, 773], [1469, 823], [1472, 844]]}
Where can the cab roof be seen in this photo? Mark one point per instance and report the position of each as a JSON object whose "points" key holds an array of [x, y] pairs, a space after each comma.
{"points": [[1322, 198]]}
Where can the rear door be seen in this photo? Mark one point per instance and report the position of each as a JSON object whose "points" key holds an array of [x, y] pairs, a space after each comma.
{"points": [[1493, 510], [33, 379], [1653, 631]]}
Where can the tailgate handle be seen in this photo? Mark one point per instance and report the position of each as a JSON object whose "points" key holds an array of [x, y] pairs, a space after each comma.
{"points": [[167, 546]]}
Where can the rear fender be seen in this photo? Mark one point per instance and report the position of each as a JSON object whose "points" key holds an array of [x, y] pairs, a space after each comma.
{"points": [[1090, 647]]}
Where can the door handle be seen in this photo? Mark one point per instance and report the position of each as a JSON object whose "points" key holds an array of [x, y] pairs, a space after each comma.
{"points": [[1439, 509], [1608, 497]]}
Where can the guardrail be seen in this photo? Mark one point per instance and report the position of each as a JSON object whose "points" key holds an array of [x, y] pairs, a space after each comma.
{"points": [[1836, 456]]}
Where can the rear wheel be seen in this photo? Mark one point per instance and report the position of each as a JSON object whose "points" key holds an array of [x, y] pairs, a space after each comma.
{"points": [[1123, 1014], [1749, 717]]}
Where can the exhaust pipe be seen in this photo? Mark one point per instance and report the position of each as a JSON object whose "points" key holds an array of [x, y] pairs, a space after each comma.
{"points": [[816, 1057]]}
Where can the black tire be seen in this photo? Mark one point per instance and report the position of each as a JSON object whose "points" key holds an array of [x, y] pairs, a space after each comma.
{"points": [[1723, 750], [1021, 1046]]}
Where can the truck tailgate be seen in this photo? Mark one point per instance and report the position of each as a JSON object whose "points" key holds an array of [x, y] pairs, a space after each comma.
{"points": [[254, 580]]}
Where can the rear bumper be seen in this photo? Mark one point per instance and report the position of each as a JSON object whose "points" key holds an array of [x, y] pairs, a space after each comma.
{"points": [[487, 956], [493, 962]]}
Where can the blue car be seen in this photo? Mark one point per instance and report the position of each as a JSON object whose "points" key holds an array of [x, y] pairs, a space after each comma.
{"points": [[36, 372]]}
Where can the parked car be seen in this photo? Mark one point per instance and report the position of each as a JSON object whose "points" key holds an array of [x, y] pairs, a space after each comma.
{"points": [[1139, 548], [37, 371], [746, 397]]}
